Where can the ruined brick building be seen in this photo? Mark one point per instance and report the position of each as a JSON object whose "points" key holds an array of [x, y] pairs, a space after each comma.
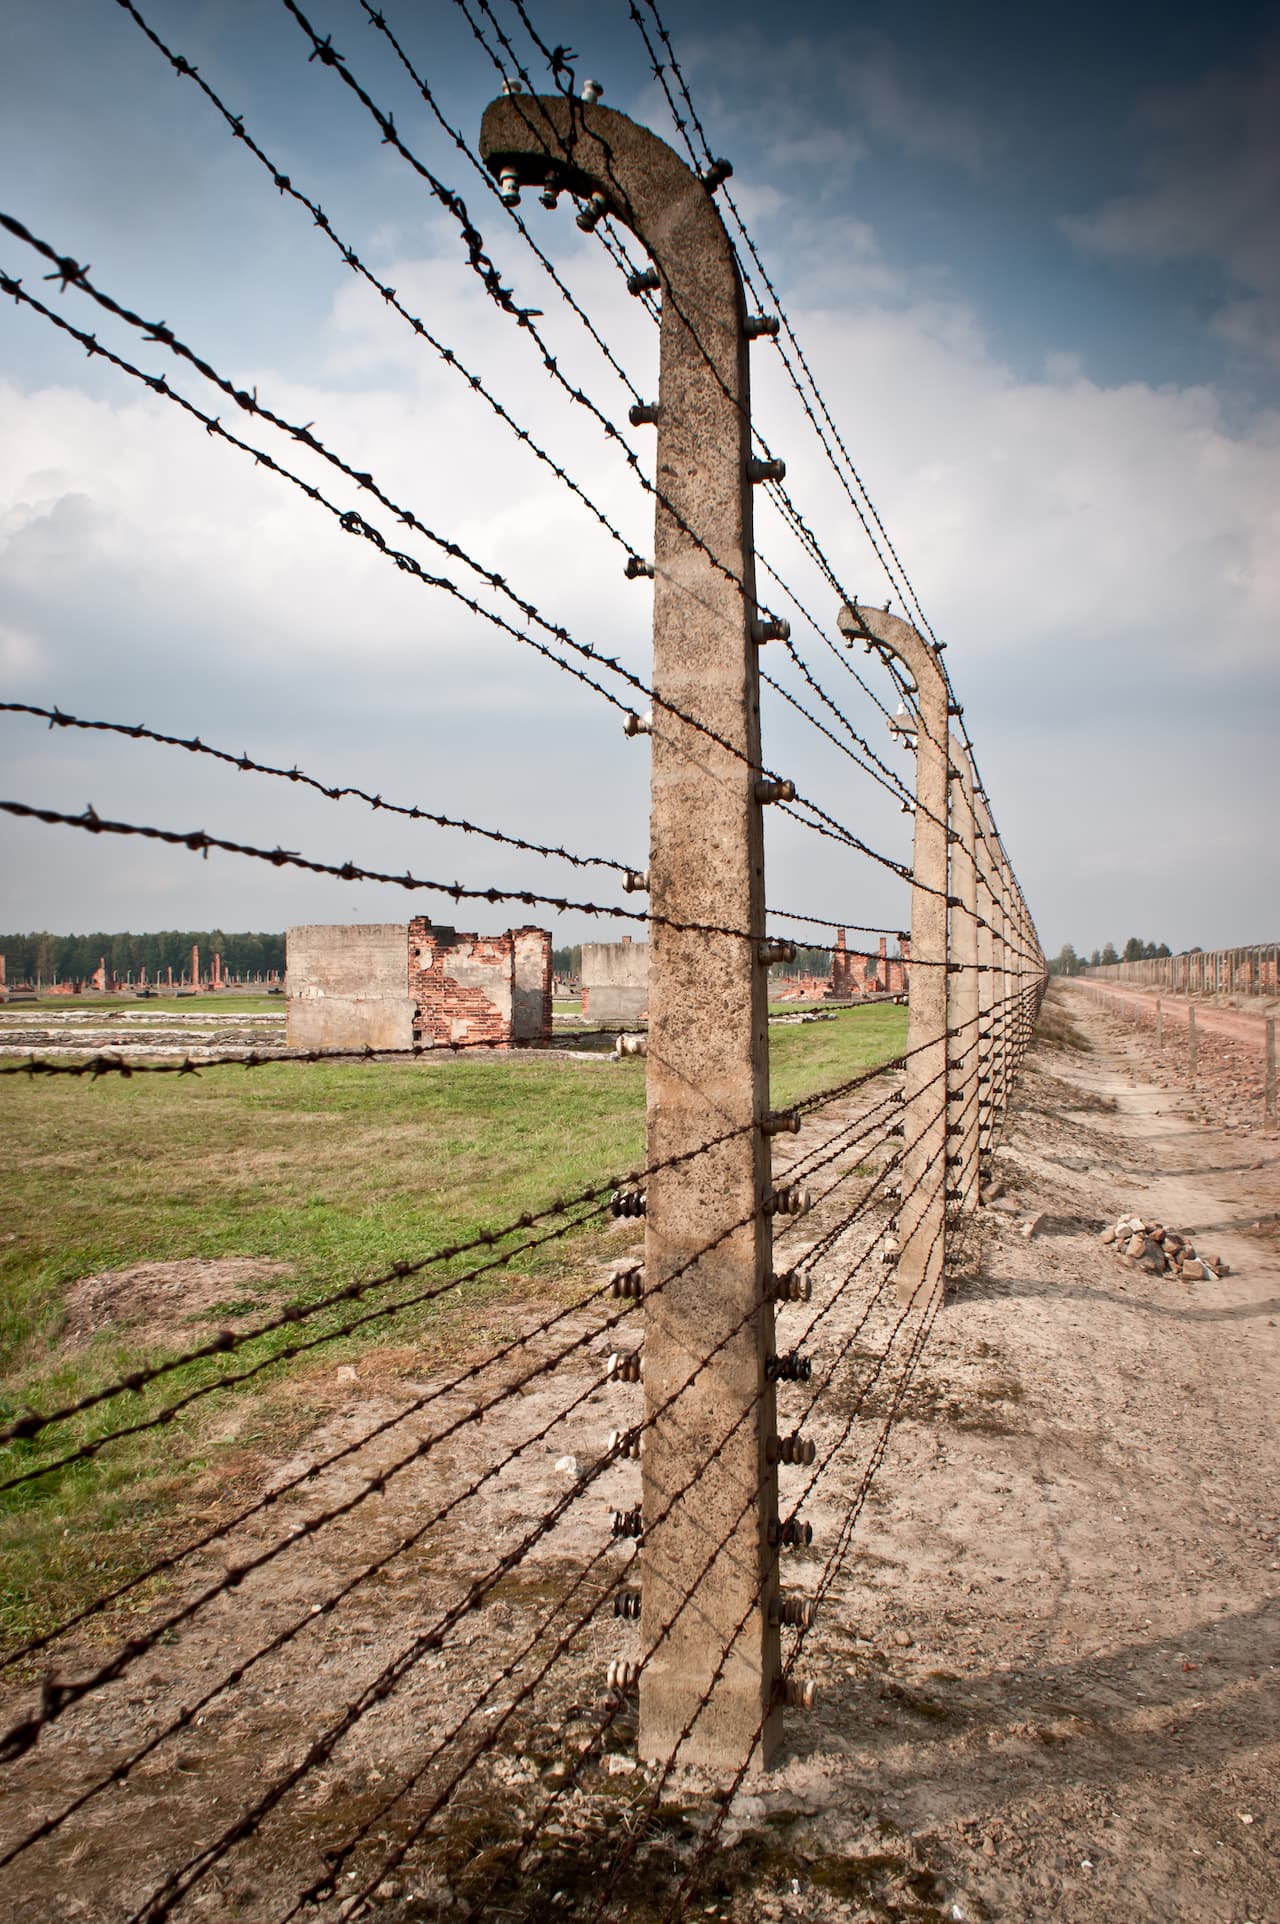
{"points": [[853, 973], [380, 985]]}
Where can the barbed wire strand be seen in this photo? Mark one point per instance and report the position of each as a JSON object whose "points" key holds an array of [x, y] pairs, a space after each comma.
{"points": [[339, 1858], [56, 1697], [332, 792], [353, 523]]}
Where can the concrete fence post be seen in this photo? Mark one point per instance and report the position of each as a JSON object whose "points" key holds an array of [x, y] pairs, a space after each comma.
{"points": [[986, 985], [1159, 1027], [963, 1010], [922, 1214], [1269, 1080], [1191, 1044], [707, 1238]]}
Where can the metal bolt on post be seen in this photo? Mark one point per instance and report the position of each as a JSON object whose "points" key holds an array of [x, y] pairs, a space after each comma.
{"points": [[708, 1251]]}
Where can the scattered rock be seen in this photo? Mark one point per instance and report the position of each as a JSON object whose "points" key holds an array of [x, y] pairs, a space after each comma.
{"points": [[345, 1373], [903, 1639]]}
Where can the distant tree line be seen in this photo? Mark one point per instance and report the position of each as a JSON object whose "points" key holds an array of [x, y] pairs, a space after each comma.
{"points": [[567, 961], [43, 957], [1067, 962], [807, 962]]}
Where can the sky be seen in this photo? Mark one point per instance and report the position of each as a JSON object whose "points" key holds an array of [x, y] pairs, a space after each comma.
{"points": [[1032, 258]]}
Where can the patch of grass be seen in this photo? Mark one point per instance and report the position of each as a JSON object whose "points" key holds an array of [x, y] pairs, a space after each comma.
{"points": [[806, 1057], [1056, 1027]]}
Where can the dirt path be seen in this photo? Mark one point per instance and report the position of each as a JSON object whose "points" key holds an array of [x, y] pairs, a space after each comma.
{"points": [[1241, 1025], [1047, 1682]]}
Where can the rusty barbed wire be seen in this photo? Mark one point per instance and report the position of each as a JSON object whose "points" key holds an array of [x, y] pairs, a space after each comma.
{"points": [[285, 186], [904, 586], [25, 1428], [196, 1868], [777, 492], [831, 1569], [56, 1698], [161, 1902], [623, 1856], [353, 523], [332, 792], [631, 1844], [229, 1342], [337, 1859], [120, 1771], [781, 498]]}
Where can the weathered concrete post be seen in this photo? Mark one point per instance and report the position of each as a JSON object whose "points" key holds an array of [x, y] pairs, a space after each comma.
{"points": [[707, 1240], [996, 1067], [1159, 1027], [1192, 1050], [963, 1014], [986, 990], [922, 1214], [1269, 1080]]}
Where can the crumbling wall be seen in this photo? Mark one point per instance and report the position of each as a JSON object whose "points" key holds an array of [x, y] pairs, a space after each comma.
{"points": [[531, 985], [380, 985], [854, 972], [487, 989], [348, 986], [615, 981], [461, 985]]}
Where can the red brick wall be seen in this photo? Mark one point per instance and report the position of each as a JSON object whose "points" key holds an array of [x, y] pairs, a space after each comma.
{"points": [[469, 989], [855, 973]]}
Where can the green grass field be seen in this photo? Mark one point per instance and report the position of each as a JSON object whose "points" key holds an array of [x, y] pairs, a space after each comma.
{"points": [[337, 1172]]}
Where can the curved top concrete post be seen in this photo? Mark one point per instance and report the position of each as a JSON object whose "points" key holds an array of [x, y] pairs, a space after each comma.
{"points": [[922, 1214], [707, 1240]]}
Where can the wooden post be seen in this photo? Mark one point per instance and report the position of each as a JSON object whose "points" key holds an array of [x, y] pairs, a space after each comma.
{"points": [[707, 1238], [922, 1214]]}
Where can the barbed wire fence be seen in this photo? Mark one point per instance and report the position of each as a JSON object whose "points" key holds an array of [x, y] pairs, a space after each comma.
{"points": [[667, 1576]]}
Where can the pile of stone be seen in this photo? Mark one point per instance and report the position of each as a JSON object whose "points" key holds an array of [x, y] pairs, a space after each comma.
{"points": [[1159, 1251]]}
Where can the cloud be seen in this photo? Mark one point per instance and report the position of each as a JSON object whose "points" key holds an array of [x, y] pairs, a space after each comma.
{"points": [[821, 104], [1211, 159]]}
